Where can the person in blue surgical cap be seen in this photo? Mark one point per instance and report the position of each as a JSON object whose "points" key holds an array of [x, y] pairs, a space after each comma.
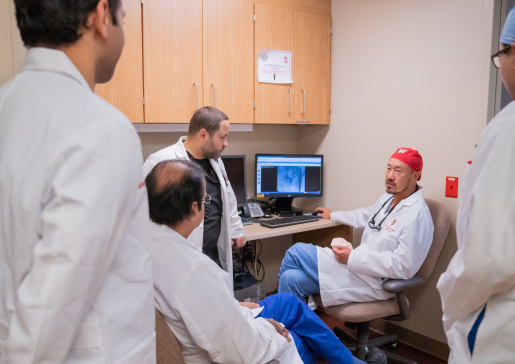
{"points": [[478, 288]]}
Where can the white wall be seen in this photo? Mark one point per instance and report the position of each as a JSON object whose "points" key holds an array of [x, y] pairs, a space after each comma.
{"points": [[404, 74], [6, 46], [12, 51]]}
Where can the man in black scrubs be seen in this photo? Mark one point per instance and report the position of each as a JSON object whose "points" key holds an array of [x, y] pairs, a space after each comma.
{"points": [[206, 141], [213, 209]]}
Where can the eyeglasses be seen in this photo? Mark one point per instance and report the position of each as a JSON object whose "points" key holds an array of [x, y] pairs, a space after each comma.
{"points": [[207, 200], [495, 57]]}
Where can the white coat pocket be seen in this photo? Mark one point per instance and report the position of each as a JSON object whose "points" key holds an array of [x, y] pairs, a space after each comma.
{"points": [[88, 346]]}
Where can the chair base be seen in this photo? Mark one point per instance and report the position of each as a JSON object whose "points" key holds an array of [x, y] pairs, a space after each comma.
{"points": [[360, 345]]}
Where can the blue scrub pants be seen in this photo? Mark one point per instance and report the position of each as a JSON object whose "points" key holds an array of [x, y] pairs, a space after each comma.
{"points": [[312, 337], [299, 271]]}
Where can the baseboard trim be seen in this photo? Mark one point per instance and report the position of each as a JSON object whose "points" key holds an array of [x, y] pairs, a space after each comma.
{"points": [[412, 338]]}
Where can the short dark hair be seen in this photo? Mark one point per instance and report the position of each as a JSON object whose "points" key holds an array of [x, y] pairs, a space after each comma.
{"points": [[56, 22], [170, 202], [208, 118]]}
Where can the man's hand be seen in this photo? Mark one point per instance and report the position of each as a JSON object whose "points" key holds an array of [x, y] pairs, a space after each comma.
{"points": [[341, 253], [239, 242], [249, 304], [280, 329], [326, 213]]}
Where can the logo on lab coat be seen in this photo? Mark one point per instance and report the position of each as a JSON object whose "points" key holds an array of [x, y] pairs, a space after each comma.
{"points": [[393, 222]]}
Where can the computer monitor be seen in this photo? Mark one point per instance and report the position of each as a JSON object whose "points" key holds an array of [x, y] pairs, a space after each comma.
{"points": [[235, 168], [286, 176]]}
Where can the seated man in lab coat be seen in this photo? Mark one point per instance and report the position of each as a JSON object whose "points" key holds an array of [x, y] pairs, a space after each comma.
{"points": [[397, 237], [196, 298]]}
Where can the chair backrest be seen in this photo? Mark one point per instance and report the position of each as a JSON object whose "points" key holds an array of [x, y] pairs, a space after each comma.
{"points": [[441, 222], [168, 349]]}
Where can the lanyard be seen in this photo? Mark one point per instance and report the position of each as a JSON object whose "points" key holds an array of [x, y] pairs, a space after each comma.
{"points": [[222, 170], [372, 222]]}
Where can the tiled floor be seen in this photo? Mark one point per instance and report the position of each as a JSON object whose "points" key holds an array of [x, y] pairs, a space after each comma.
{"points": [[402, 349]]}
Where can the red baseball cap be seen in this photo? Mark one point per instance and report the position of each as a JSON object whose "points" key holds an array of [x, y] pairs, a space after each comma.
{"points": [[410, 157]]}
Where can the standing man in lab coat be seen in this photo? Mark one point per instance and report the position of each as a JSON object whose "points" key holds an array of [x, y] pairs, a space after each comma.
{"points": [[397, 237], [75, 269], [206, 141], [478, 288], [196, 296]]}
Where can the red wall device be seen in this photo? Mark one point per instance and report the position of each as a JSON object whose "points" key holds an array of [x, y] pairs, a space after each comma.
{"points": [[451, 187]]}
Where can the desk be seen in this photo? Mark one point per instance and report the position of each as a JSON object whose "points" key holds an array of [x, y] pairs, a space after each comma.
{"points": [[319, 232]]}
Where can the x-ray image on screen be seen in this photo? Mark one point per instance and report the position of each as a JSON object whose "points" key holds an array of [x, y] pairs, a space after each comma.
{"points": [[290, 179], [289, 175]]}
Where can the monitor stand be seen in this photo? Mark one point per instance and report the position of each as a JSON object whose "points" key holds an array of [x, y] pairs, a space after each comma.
{"points": [[283, 207]]}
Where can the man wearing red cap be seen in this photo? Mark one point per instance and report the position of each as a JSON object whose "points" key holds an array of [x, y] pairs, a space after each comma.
{"points": [[397, 237]]}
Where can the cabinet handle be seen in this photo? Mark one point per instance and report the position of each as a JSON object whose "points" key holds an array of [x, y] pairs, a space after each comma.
{"points": [[304, 91], [196, 96], [214, 94], [290, 100]]}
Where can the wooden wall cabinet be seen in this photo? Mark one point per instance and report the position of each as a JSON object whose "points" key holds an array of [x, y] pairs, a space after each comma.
{"points": [[313, 68], [275, 29], [228, 53], [308, 37], [172, 60], [181, 55], [125, 90]]}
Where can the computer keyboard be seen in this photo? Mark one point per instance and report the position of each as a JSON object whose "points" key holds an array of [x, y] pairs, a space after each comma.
{"points": [[285, 221], [246, 221]]}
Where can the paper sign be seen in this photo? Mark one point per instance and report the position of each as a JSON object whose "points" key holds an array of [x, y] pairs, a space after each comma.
{"points": [[274, 66]]}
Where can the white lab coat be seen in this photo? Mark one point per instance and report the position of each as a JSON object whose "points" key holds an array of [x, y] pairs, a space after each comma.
{"points": [[75, 267], [196, 298], [397, 251], [231, 226], [483, 269]]}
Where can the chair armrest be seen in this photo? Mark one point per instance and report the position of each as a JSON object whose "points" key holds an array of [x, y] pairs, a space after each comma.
{"points": [[398, 285]]}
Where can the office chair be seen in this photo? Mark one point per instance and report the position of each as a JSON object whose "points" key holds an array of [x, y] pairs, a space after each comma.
{"points": [[168, 349], [359, 315]]}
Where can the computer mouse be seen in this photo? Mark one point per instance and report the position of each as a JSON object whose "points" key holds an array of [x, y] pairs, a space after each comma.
{"points": [[317, 212]]}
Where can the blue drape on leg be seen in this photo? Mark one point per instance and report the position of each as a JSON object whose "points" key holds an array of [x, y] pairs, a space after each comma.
{"points": [[306, 354], [299, 319]]}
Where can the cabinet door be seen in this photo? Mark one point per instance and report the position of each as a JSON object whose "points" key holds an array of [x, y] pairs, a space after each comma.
{"points": [[125, 90], [228, 46], [172, 31], [275, 29], [312, 68]]}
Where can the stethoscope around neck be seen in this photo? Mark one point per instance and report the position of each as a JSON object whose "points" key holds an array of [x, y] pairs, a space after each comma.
{"points": [[372, 222]]}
